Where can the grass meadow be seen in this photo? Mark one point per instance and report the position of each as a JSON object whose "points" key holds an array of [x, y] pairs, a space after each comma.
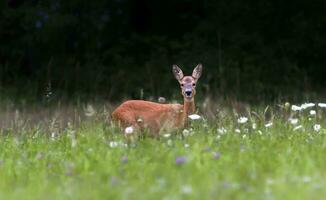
{"points": [[234, 151]]}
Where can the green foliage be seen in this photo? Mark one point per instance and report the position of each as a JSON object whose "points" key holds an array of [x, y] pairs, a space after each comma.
{"points": [[92, 161]]}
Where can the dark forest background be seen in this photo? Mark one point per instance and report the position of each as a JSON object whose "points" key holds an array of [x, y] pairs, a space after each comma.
{"points": [[250, 50]]}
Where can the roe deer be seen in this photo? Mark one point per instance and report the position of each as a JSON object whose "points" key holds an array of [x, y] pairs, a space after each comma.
{"points": [[156, 116]]}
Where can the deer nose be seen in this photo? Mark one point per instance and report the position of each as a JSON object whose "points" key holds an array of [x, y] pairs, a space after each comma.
{"points": [[188, 92]]}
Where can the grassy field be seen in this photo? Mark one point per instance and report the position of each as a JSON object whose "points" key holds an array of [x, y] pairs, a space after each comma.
{"points": [[273, 153]]}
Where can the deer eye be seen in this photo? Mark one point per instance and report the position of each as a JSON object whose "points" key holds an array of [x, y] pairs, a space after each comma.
{"points": [[181, 84], [194, 84]]}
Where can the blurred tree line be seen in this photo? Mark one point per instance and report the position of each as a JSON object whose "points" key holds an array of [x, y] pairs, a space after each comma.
{"points": [[125, 48]]}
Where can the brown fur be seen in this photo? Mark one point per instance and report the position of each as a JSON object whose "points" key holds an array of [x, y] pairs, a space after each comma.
{"points": [[150, 115]]}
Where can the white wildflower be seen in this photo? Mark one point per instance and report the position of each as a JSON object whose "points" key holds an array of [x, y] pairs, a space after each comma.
{"points": [[125, 145], [322, 105], [237, 130], [312, 112], [218, 137], [221, 131], [260, 132], [254, 126], [242, 120], [185, 132], [293, 121], [269, 181], [113, 144], [306, 179], [296, 108], [287, 105], [297, 128], [307, 105], [186, 145], [161, 100], [244, 136], [194, 117], [54, 135], [129, 130], [317, 127], [269, 124], [167, 135], [89, 110], [161, 182], [170, 143], [186, 189]]}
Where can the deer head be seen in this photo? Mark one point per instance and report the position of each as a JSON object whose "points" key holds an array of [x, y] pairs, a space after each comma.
{"points": [[188, 83]]}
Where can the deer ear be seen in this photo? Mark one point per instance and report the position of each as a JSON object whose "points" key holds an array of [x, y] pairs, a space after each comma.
{"points": [[178, 74], [197, 71]]}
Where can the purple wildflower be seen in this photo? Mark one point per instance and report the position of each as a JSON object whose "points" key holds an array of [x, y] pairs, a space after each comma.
{"points": [[114, 180], [216, 155], [124, 159], [69, 171], [206, 149], [180, 160]]}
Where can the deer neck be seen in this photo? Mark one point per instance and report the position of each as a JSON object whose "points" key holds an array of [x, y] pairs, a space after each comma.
{"points": [[188, 109]]}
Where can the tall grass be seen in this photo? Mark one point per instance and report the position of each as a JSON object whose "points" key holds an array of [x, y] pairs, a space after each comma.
{"points": [[233, 152]]}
